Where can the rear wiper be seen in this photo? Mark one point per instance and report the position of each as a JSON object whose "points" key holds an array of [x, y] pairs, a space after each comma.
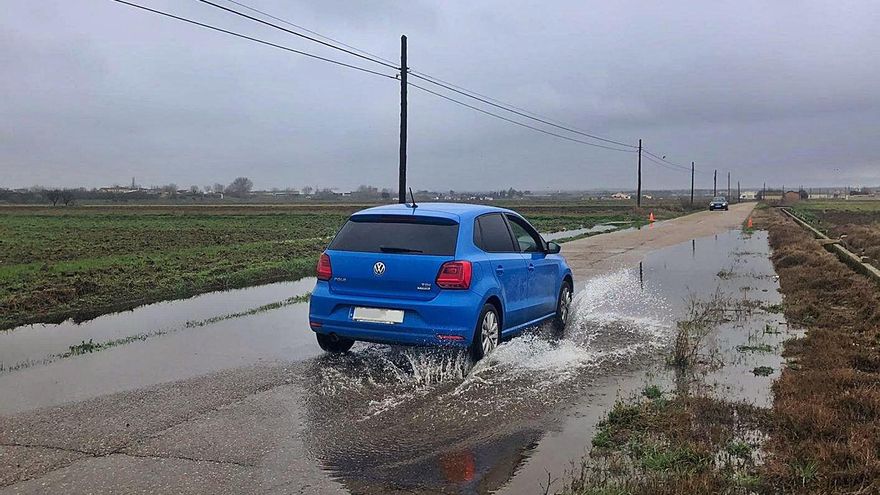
{"points": [[392, 249]]}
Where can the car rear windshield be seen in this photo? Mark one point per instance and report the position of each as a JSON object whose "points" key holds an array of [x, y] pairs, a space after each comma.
{"points": [[397, 234]]}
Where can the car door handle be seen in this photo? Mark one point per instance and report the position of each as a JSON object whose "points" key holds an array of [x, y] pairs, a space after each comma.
{"points": [[531, 267], [499, 270]]}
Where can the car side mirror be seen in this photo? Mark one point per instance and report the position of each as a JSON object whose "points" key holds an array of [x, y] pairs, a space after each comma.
{"points": [[553, 248]]}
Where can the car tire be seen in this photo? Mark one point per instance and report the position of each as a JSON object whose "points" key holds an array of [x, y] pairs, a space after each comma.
{"points": [[563, 308], [487, 334], [333, 343]]}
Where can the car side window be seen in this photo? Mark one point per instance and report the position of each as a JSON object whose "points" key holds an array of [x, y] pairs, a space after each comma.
{"points": [[529, 241], [492, 235]]}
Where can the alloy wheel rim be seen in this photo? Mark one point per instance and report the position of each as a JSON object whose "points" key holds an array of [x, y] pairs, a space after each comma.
{"points": [[566, 303], [489, 333]]}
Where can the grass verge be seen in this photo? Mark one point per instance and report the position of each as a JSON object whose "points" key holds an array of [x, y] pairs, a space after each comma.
{"points": [[825, 429]]}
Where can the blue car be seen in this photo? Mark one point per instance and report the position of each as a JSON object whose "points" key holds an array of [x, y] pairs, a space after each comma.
{"points": [[437, 274]]}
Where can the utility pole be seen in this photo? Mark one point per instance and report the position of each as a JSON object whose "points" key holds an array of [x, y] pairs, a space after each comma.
{"points": [[692, 183], [401, 182], [639, 189], [715, 184], [738, 192], [728, 186]]}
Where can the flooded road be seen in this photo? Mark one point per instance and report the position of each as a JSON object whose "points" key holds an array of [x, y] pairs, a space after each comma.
{"points": [[261, 410]]}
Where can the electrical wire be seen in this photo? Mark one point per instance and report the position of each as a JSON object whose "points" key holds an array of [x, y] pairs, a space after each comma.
{"points": [[661, 164], [511, 109], [256, 40], [425, 77], [283, 21], [664, 160], [316, 40], [472, 107]]}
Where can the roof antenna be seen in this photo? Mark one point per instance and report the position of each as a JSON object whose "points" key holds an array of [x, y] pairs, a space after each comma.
{"points": [[412, 199]]}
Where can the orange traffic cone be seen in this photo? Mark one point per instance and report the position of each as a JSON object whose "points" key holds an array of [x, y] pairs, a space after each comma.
{"points": [[651, 217], [750, 222]]}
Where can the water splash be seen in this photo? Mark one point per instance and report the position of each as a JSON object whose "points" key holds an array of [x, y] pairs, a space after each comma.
{"points": [[614, 321]]}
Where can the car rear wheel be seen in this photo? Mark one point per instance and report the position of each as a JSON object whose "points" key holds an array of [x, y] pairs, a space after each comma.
{"points": [[563, 307], [487, 334], [334, 343]]}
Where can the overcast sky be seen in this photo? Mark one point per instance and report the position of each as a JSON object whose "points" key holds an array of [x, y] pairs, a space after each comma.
{"points": [[95, 92]]}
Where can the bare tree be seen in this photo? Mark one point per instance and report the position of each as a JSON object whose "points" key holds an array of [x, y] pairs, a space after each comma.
{"points": [[53, 195], [219, 188], [193, 190], [208, 189], [240, 187], [307, 190], [67, 196], [169, 189]]}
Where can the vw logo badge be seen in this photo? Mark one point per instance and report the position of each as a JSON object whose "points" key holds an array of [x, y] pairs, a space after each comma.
{"points": [[379, 269]]}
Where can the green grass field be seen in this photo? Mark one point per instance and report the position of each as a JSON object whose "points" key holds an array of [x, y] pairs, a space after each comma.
{"points": [[81, 262]]}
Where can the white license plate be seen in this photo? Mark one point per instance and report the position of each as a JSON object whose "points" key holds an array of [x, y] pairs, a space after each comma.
{"points": [[378, 315]]}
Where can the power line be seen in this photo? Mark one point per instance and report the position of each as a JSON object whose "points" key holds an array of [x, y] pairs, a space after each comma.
{"points": [[316, 40], [283, 21], [511, 109], [249, 38], [661, 164], [678, 166], [425, 77], [664, 160], [472, 107]]}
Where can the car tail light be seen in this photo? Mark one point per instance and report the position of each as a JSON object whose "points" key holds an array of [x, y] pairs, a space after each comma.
{"points": [[324, 271], [454, 275]]}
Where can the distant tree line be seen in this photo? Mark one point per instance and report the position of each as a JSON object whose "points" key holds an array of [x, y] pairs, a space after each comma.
{"points": [[240, 188]]}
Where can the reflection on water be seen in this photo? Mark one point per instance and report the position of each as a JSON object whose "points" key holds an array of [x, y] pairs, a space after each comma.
{"points": [[596, 229], [383, 418], [388, 419], [32, 343]]}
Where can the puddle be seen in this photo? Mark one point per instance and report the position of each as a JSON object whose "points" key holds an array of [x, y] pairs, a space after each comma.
{"points": [[596, 229], [33, 344], [426, 421], [385, 419]]}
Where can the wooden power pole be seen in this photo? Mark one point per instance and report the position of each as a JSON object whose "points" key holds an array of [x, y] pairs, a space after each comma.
{"points": [[738, 192], [692, 183], [715, 184], [728, 186], [401, 181], [639, 188]]}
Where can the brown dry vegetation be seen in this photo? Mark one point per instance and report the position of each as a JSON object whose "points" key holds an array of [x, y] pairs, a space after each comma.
{"points": [[858, 221], [825, 429]]}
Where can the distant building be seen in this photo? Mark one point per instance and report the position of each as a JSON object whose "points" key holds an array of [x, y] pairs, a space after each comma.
{"points": [[117, 190], [791, 197], [748, 195], [621, 195]]}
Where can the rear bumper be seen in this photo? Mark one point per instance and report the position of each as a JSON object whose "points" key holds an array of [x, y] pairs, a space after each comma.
{"points": [[447, 320]]}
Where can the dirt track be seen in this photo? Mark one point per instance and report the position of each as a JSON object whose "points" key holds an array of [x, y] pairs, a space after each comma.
{"points": [[602, 253]]}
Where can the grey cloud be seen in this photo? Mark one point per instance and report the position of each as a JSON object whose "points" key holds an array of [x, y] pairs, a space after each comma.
{"points": [[95, 92]]}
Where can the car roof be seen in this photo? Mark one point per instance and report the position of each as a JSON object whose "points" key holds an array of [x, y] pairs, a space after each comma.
{"points": [[455, 211]]}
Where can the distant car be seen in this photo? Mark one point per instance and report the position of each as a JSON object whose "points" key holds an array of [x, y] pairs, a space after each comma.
{"points": [[437, 274], [718, 203]]}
